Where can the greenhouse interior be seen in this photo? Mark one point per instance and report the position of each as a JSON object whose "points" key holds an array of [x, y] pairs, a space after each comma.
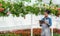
{"points": [[21, 17]]}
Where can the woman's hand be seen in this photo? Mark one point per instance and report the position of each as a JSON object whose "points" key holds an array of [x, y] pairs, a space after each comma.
{"points": [[46, 22]]}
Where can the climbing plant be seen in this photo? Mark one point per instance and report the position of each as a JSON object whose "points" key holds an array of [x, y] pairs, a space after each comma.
{"points": [[19, 9]]}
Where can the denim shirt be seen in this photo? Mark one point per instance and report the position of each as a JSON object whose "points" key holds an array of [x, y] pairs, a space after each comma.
{"points": [[48, 20]]}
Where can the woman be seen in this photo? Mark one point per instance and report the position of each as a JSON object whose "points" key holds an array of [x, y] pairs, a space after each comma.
{"points": [[47, 23]]}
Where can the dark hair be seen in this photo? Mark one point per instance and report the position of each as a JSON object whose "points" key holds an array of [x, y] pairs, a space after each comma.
{"points": [[48, 11]]}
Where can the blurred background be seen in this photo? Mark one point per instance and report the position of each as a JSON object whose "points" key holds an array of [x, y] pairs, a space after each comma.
{"points": [[21, 17]]}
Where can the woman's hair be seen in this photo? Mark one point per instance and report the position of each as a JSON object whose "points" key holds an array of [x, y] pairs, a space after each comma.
{"points": [[48, 11]]}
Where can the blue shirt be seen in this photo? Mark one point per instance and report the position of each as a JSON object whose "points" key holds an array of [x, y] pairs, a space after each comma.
{"points": [[48, 19]]}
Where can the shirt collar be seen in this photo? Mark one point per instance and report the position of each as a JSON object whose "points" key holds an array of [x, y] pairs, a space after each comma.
{"points": [[46, 17]]}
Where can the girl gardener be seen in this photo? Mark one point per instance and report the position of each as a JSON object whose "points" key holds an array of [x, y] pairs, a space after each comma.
{"points": [[47, 22]]}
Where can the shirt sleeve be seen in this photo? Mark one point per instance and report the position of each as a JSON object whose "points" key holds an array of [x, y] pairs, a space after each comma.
{"points": [[50, 22]]}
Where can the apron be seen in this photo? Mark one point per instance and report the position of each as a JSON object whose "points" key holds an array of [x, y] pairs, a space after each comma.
{"points": [[45, 29]]}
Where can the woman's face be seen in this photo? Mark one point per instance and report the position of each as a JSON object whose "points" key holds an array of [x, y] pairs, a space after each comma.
{"points": [[46, 14]]}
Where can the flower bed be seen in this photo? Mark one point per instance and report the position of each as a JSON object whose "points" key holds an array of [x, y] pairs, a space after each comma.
{"points": [[25, 32], [56, 31]]}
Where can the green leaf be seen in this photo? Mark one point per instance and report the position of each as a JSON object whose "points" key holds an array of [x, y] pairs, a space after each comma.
{"points": [[40, 0], [26, 0], [50, 2]]}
